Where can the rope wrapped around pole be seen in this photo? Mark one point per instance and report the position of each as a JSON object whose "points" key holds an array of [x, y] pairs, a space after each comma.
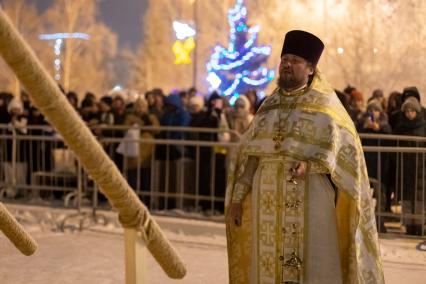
{"points": [[47, 97], [15, 233]]}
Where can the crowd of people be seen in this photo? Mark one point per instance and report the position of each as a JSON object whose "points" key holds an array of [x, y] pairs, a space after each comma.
{"points": [[400, 113], [181, 108]]}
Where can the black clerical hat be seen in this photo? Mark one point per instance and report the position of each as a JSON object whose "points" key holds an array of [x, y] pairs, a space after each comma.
{"points": [[303, 44]]}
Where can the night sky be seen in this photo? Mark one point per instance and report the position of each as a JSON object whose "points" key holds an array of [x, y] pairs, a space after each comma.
{"points": [[122, 16]]}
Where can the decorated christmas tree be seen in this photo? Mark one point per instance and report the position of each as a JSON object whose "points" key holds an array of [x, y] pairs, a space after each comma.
{"points": [[240, 67]]}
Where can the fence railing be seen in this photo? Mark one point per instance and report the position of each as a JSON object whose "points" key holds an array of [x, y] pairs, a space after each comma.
{"points": [[188, 174], [396, 167]]}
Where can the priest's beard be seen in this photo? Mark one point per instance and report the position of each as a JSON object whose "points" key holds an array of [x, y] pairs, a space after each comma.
{"points": [[289, 82]]}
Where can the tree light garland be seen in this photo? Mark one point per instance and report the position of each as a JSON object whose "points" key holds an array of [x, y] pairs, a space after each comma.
{"points": [[237, 69]]}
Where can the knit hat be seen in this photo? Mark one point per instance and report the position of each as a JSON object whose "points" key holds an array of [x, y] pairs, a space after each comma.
{"points": [[303, 44], [357, 95], [174, 100], [214, 96], [197, 100], [349, 89], [411, 103], [107, 100], [410, 92], [374, 105], [378, 93]]}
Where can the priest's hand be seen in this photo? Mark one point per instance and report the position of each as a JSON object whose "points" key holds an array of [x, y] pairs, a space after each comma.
{"points": [[235, 214], [299, 169]]}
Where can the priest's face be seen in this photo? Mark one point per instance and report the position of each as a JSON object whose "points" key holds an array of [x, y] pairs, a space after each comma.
{"points": [[294, 72]]}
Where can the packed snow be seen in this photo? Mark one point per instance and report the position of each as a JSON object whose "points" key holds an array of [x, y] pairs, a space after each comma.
{"points": [[77, 248]]}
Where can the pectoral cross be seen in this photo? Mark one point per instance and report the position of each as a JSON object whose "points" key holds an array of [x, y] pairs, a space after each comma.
{"points": [[278, 138]]}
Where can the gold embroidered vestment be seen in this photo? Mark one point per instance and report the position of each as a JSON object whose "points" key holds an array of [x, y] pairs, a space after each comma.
{"points": [[312, 126]]}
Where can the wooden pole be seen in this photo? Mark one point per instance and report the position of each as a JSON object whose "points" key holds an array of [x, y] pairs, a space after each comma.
{"points": [[135, 257], [47, 97], [15, 233]]}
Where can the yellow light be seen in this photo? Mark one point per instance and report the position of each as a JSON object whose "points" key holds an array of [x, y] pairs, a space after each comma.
{"points": [[182, 50], [340, 50]]}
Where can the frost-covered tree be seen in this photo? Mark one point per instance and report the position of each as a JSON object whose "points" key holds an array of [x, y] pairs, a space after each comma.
{"points": [[154, 60], [378, 46], [138, 65], [87, 64], [26, 19], [370, 44]]}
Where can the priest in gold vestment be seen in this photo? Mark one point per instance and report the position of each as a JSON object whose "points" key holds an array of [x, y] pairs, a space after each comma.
{"points": [[298, 202]]}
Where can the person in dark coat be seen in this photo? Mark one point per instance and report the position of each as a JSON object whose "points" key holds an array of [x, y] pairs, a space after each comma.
{"points": [[411, 164], [379, 96], [213, 159], [89, 109], [118, 109], [156, 105], [40, 151], [394, 116], [170, 157], [198, 113], [375, 121], [4, 114], [103, 129], [356, 104], [174, 115], [18, 126], [413, 92], [72, 98], [5, 118], [394, 108], [105, 110], [343, 98]]}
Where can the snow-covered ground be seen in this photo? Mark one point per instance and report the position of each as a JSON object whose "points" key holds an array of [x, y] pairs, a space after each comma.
{"points": [[96, 254]]}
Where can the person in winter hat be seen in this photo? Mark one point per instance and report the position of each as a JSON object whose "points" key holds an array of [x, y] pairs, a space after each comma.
{"points": [[413, 123], [241, 117]]}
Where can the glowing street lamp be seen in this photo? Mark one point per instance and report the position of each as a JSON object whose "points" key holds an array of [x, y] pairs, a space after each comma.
{"points": [[59, 40]]}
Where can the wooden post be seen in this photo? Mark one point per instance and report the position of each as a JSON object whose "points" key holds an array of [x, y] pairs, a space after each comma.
{"points": [[135, 257]]}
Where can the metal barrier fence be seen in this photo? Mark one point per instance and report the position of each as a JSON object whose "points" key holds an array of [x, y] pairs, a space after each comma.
{"points": [[184, 169], [168, 167], [396, 167]]}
